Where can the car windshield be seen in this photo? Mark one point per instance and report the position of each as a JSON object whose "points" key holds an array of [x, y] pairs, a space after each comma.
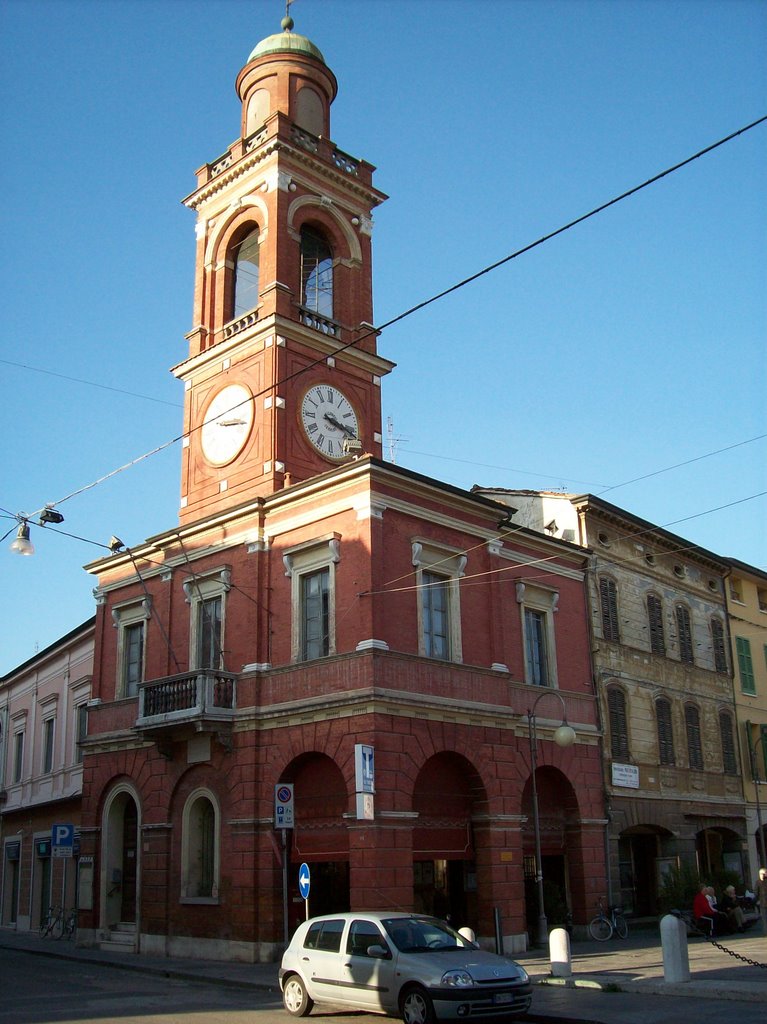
{"points": [[422, 934]]}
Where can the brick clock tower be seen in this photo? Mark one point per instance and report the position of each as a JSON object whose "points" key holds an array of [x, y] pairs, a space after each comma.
{"points": [[282, 381]]}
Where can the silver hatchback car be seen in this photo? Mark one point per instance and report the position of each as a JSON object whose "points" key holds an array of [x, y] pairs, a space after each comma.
{"points": [[407, 965]]}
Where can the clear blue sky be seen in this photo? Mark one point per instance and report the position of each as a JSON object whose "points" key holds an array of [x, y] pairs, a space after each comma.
{"points": [[632, 343]]}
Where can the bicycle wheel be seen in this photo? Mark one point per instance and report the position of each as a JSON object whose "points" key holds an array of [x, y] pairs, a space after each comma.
{"points": [[57, 927], [600, 929], [45, 927], [621, 926]]}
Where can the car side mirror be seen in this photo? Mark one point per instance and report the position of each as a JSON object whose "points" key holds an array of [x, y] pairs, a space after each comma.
{"points": [[379, 952]]}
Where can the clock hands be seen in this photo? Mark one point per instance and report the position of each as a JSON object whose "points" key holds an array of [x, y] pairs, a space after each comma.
{"points": [[333, 421], [232, 423]]}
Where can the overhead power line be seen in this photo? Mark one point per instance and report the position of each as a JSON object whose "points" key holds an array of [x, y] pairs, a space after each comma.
{"points": [[442, 294]]}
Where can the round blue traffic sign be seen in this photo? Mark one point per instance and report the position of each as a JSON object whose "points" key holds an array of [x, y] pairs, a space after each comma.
{"points": [[304, 881]]}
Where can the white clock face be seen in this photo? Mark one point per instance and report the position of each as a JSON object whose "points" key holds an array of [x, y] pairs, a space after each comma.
{"points": [[328, 419], [226, 424]]}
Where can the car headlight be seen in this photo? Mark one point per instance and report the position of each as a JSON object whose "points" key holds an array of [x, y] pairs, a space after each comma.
{"points": [[457, 979]]}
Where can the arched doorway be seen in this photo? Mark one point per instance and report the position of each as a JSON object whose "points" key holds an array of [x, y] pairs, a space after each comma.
{"points": [[120, 864], [448, 792], [557, 810], [319, 837]]}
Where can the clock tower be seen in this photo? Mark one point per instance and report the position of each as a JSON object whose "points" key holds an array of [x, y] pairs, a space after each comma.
{"points": [[282, 380]]}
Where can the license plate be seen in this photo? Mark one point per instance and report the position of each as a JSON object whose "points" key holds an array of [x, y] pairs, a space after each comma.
{"points": [[502, 997]]}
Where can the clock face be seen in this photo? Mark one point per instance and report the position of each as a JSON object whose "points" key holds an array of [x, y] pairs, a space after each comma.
{"points": [[226, 424], [328, 419]]}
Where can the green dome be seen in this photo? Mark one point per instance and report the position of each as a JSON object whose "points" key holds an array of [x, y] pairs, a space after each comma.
{"points": [[286, 42]]}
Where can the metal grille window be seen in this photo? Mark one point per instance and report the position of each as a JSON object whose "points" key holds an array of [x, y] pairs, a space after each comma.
{"points": [[537, 653], [436, 625], [608, 597], [619, 737], [316, 273], [694, 745], [684, 630], [745, 665], [727, 735], [665, 731], [717, 639], [315, 609], [655, 621], [246, 275]]}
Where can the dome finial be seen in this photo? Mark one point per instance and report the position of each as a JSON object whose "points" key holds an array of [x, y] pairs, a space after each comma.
{"points": [[287, 22]]}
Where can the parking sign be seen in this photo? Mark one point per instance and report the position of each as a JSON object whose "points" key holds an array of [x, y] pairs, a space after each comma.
{"points": [[283, 805]]}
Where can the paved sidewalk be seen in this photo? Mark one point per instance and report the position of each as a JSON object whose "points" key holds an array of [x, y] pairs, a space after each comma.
{"points": [[611, 982]]}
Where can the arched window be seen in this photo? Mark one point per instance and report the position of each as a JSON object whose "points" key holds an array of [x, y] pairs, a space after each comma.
{"points": [[316, 273], [665, 731], [245, 291], [200, 854], [619, 734], [694, 745], [727, 736]]}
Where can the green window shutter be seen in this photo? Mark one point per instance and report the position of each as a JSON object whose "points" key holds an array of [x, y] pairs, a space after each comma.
{"points": [[745, 665]]}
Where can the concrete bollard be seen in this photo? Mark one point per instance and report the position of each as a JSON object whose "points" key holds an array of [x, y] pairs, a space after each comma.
{"points": [[676, 961], [559, 954]]}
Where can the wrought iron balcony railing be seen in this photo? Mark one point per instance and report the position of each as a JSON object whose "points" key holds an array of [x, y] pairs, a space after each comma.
{"points": [[205, 698]]}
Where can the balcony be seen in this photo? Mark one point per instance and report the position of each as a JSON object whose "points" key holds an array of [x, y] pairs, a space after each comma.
{"points": [[178, 706]]}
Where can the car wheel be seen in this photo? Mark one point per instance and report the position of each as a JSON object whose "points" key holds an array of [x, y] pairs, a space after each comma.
{"points": [[416, 1007], [295, 998]]}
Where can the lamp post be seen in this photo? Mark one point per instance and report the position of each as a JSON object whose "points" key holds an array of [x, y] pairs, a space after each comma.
{"points": [[564, 736], [760, 830]]}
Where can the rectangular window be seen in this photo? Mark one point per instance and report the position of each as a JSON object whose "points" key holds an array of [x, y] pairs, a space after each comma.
{"points": [[745, 665], [209, 620], [720, 652], [537, 652], [655, 621], [48, 730], [18, 756], [665, 732], [694, 746], [133, 658], [315, 612], [619, 737], [81, 730], [435, 611], [608, 597], [684, 629]]}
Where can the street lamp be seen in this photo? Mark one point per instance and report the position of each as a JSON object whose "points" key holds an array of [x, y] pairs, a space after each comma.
{"points": [[564, 736], [760, 832]]}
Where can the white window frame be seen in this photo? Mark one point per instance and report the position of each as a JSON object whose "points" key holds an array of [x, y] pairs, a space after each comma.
{"points": [[205, 587], [545, 600], [130, 613], [186, 840], [304, 560], [449, 563]]}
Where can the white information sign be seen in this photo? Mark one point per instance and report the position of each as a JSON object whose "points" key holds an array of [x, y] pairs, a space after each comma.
{"points": [[626, 775]]}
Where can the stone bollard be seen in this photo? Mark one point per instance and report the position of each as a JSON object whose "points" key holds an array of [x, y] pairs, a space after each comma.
{"points": [[676, 961], [559, 953]]}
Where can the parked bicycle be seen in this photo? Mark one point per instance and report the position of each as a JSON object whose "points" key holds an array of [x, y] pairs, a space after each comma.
{"points": [[604, 925], [70, 924], [53, 924]]}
